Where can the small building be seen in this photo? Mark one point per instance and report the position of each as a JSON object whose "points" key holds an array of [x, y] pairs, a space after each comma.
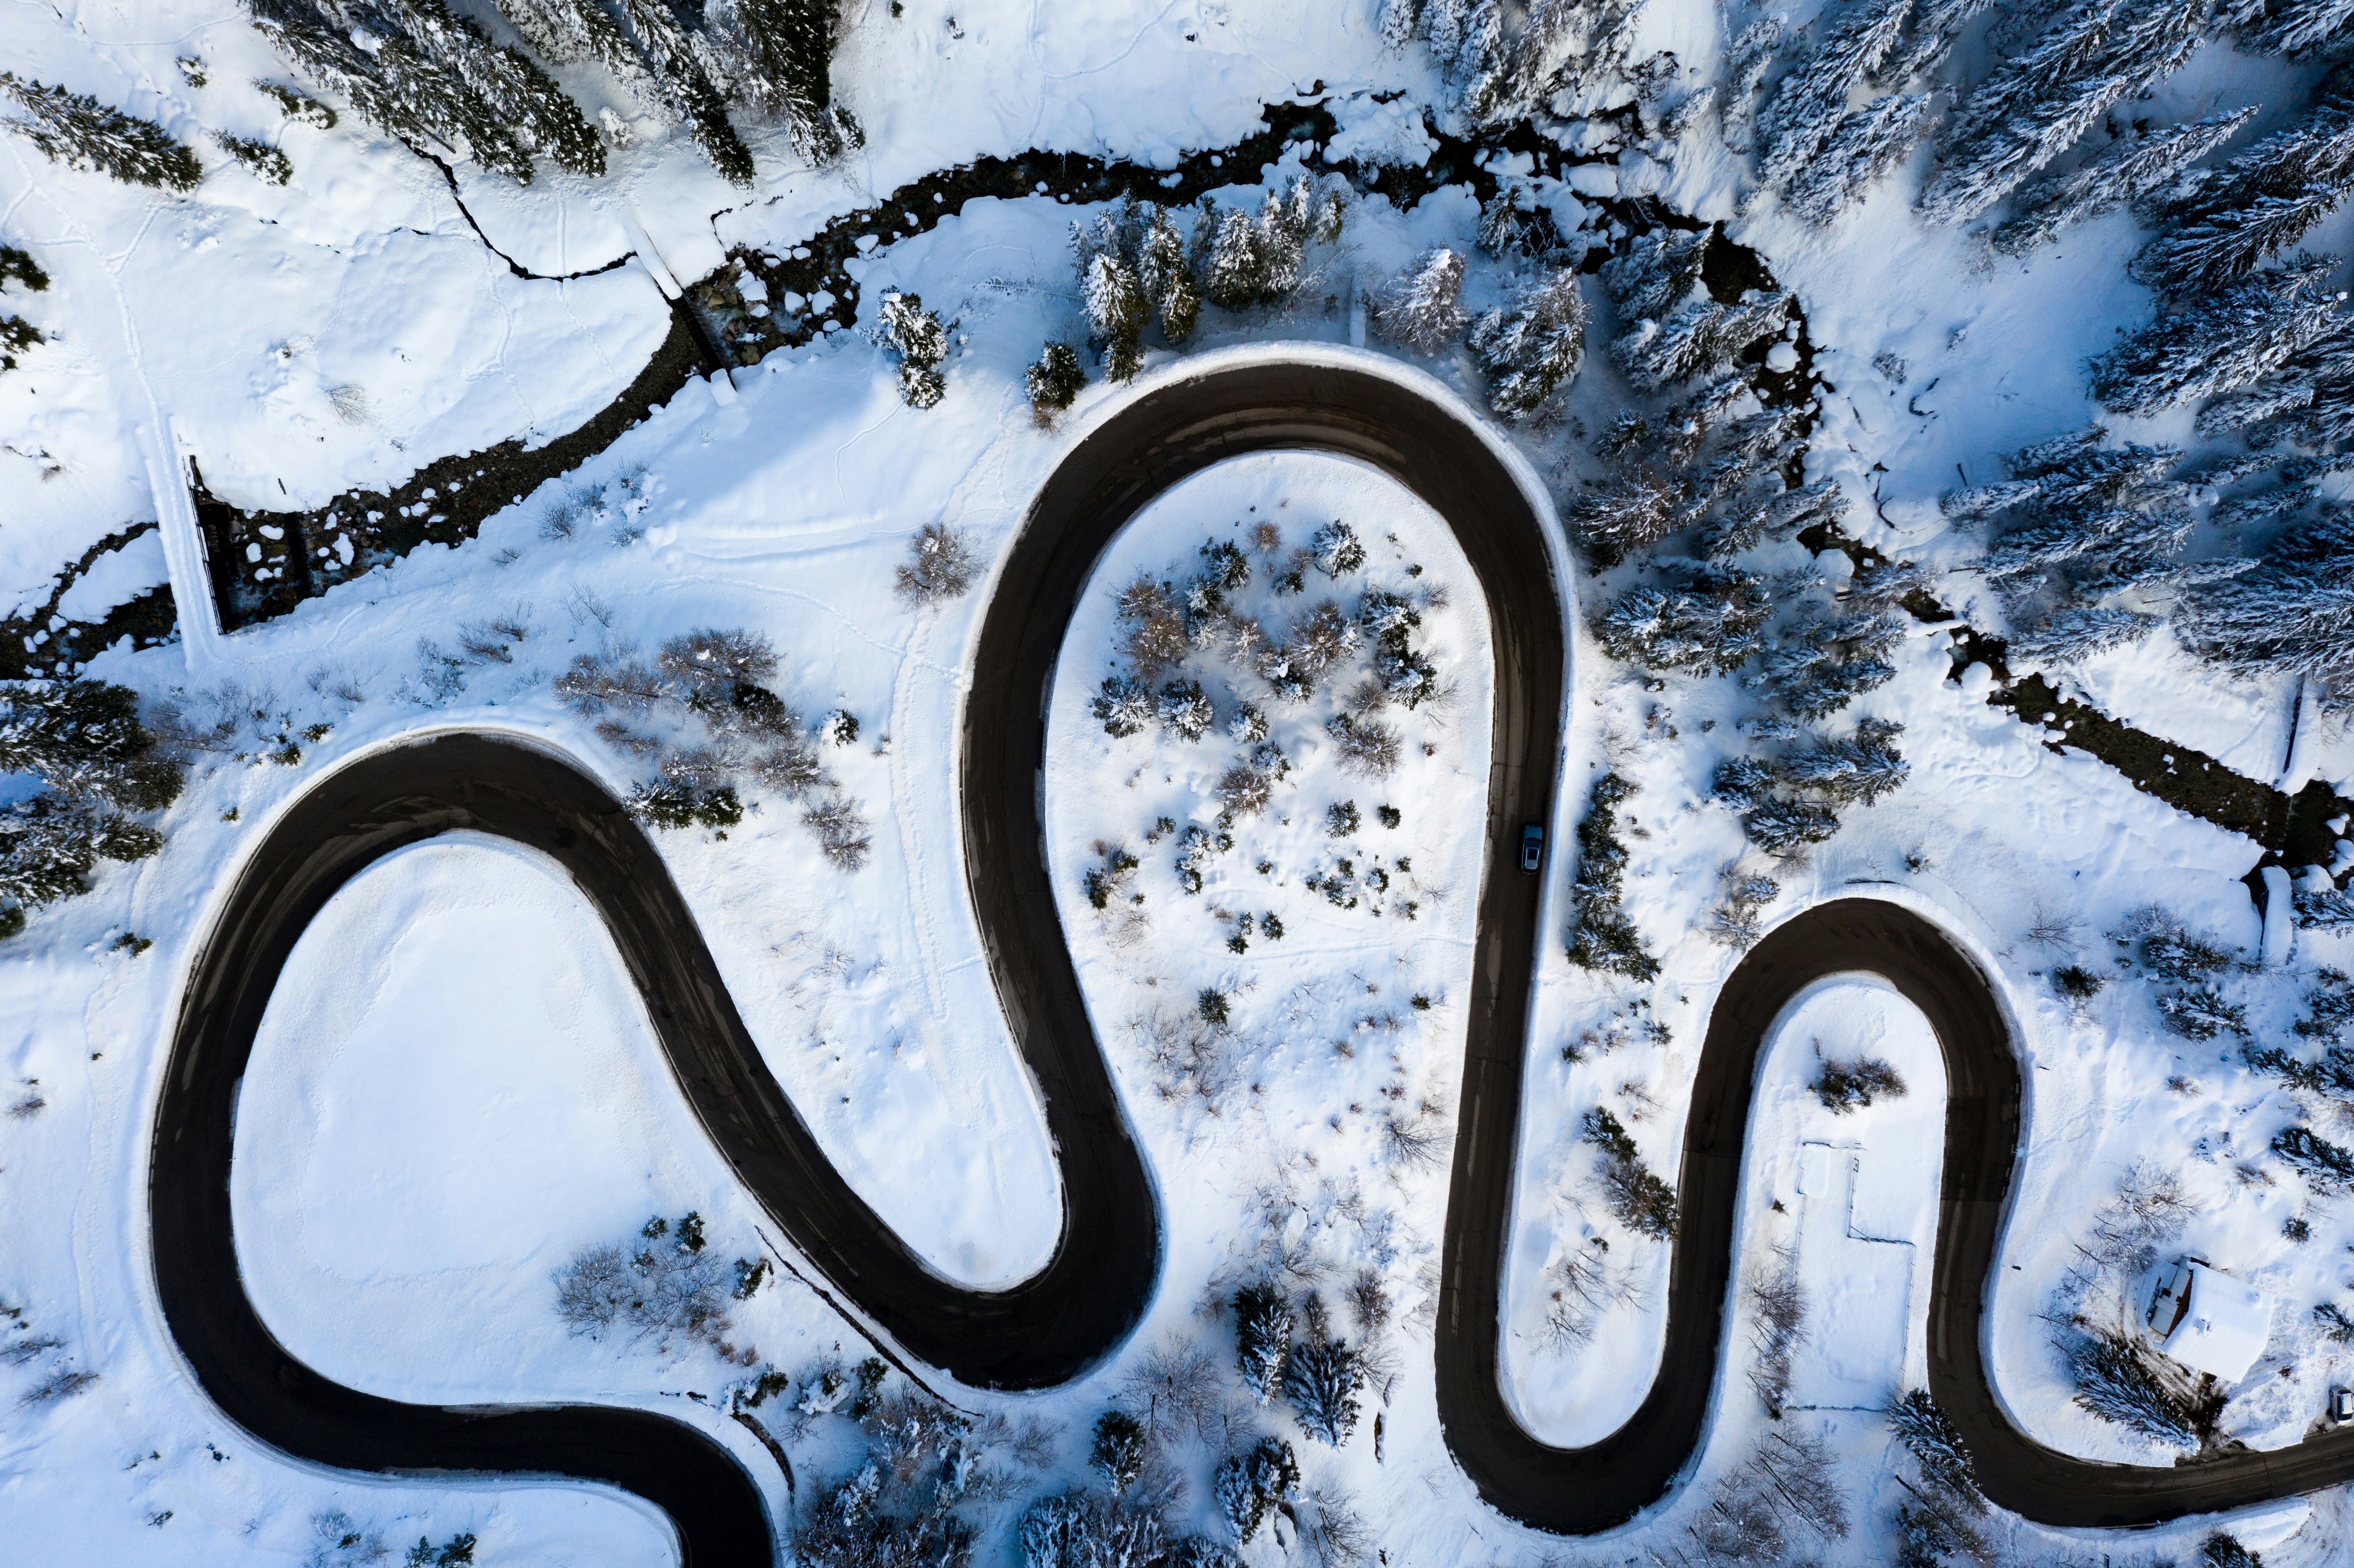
{"points": [[2209, 1321]]}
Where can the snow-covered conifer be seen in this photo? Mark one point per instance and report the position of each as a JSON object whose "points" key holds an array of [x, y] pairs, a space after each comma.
{"points": [[2072, 635], [1862, 768], [1236, 273], [1929, 1435], [1262, 1326], [1657, 272], [434, 74], [1120, 1449], [1116, 311], [922, 343], [1712, 622], [1808, 106], [76, 130], [2222, 342], [778, 56], [1863, 146], [1533, 352], [2129, 169], [82, 743], [1776, 514], [17, 335], [1338, 549], [2293, 613], [1422, 307], [1054, 380], [1603, 939], [1125, 707], [2223, 222], [1622, 516], [1167, 280], [2301, 29], [1247, 1484], [1185, 712], [1321, 1378], [2093, 55], [1700, 336]]}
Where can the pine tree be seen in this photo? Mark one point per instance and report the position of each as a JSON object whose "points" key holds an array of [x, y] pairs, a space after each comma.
{"points": [[1622, 516], [1247, 1484], [2128, 170], [433, 75], [1262, 1339], [1422, 307], [681, 61], [922, 343], [1929, 1435], [17, 335], [1711, 623], [1167, 279], [2301, 29], [82, 742], [1700, 337], [1808, 106], [1120, 1449], [1862, 768], [2090, 57], [1533, 352], [1054, 380], [782, 55], [1321, 1378], [2223, 222], [2293, 613], [78, 131], [1603, 939], [2221, 343], [1862, 148], [1116, 312], [1657, 272]]}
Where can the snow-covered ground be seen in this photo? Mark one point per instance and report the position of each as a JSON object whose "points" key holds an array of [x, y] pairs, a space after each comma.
{"points": [[455, 1091]]}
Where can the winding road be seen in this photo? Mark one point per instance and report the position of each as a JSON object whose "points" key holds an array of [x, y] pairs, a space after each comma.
{"points": [[1063, 1321]]}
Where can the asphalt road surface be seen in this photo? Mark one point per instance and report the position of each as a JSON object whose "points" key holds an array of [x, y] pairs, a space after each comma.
{"points": [[1056, 1324]]}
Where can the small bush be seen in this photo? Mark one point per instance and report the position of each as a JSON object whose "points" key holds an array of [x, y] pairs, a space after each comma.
{"points": [[1844, 1085], [2077, 983], [267, 162], [941, 565], [1213, 1006], [1340, 819]]}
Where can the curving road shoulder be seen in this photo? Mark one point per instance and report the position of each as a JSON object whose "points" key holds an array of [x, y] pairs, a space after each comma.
{"points": [[1053, 1326]]}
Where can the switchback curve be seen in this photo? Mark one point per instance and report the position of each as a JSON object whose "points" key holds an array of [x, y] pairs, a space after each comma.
{"points": [[1053, 1327]]}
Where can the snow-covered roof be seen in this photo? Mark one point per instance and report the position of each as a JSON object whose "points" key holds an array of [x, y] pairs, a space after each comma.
{"points": [[2219, 1323]]}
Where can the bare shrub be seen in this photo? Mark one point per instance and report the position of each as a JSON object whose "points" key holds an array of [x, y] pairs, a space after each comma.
{"points": [[1846, 1083], [599, 681], [1413, 1143], [713, 660], [1738, 920], [664, 1283], [940, 566], [1177, 1385], [1190, 1058], [1369, 1303], [58, 1387], [841, 831], [1778, 1302], [1794, 1469], [1155, 640], [1244, 790], [1583, 1288], [1366, 746], [1331, 1531], [2148, 1210]]}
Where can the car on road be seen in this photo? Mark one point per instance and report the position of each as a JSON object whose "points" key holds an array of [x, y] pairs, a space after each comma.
{"points": [[1532, 847]]}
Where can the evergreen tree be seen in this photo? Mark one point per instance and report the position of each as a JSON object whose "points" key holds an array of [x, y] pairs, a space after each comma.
{"points": [[82, 743], [1422, 307], [682, 62], [1622, 516], [2222, 342], [2223, 222], [922, 343], [2293, 613], [1602, 937], [1700, 336], [1167, 279], [1657, 272], [1262, 1339], [1810, 103], [17, 335], [1321, 1377], [1054, 380], [2129, 169], [1863, 147], [2301, 29], [1711, 623], [1120, 1449], [780, 53], [1116, 312], [1862, 768], [2092, 57], [78, 131], [1929, 1435], [430, 74], [1249, 1483], [1533, 352]]}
